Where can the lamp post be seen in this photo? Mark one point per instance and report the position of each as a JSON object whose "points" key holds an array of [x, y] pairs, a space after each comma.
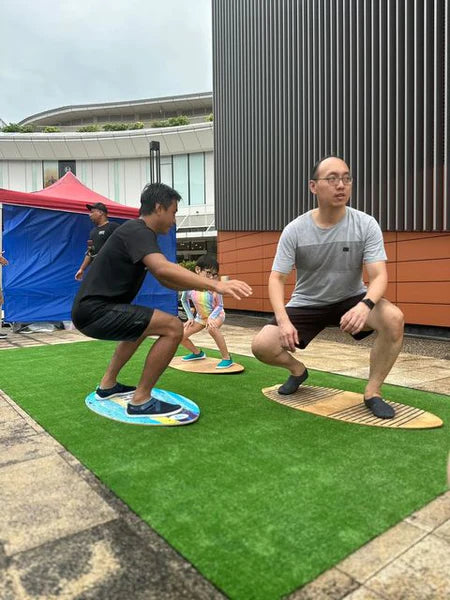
{"points": [[155, 163]]}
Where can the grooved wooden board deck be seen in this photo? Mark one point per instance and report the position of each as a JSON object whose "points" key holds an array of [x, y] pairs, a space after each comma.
{"points": [[349, 407], [205, 365]]}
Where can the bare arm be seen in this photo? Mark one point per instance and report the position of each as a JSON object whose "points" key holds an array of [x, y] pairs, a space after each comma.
{"points": [[288, 333], [3, 260], [86, 262], [175, 277], [355, 319], [378, 280]]}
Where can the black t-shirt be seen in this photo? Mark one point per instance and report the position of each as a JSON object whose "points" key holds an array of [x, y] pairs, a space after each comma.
{"points": [[99, 235], [118, 272]]}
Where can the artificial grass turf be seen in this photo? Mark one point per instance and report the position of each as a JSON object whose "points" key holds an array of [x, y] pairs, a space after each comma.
{"points": [[259, 497]]}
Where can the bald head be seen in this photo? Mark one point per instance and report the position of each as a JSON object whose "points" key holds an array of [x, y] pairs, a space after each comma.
{"points": [[326, 163]]}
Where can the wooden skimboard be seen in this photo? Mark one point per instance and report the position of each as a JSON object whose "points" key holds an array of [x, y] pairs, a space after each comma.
{"points": [[205, 365], [115, 409], [349, 407]]}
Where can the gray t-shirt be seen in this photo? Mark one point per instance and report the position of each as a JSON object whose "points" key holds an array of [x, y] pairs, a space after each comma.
{"points": [[328, 261]]}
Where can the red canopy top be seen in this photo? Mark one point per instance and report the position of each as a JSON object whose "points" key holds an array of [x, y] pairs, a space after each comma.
{"points": [[67, 194]]}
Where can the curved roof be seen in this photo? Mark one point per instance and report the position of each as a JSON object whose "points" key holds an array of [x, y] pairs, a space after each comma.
{"points": [[184, 139], [164, 105]]}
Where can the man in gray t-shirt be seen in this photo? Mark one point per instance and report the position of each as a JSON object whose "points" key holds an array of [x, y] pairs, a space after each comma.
{"points": [[328, 246]]}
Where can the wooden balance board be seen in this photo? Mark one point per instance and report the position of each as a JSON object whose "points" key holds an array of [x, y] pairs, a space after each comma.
{"points": [[115, 408], [205, 365], [349, 407]]}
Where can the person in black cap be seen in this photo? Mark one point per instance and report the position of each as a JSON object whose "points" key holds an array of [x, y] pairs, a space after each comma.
{"points": [[102, 308], [98, 235]]}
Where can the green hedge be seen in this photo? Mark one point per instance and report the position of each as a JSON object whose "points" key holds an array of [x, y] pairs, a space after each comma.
{"points": [[16, 128], [172, 122]]}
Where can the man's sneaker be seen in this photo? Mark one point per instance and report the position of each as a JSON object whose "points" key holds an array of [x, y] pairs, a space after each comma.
{"points": [[118, 390], [193, 356], [3, 336], [153, 408], [225, 363]]}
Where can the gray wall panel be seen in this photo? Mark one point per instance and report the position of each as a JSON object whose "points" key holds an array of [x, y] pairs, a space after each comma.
{"points": [[295, 80]]}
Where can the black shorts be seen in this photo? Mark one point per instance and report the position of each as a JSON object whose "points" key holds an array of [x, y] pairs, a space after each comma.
{"points": [[309, 321], [115, 322]]}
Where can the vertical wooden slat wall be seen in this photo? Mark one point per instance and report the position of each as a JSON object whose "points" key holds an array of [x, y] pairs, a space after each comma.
{"points": [[296, 80]]}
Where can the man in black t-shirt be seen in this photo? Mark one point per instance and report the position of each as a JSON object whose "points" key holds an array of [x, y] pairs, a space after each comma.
{"points": [[98, 235], [102, 308]]}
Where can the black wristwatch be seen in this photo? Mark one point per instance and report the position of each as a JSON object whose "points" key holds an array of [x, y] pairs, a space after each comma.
{"points": [[368, 302]]}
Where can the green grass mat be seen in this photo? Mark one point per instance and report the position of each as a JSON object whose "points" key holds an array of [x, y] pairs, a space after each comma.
{"points": [[260, 498]]}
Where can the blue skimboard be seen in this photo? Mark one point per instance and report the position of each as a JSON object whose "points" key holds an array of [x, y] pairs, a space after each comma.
{"points": [[115, 408]]}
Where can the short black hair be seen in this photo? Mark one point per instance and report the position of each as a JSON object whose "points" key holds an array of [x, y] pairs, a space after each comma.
{"points": [[315, 168], [207, 261], [157, 193]]}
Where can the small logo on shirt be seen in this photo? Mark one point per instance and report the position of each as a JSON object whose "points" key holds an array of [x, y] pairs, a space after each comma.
{"points": [[101, 233], [345, 249]]}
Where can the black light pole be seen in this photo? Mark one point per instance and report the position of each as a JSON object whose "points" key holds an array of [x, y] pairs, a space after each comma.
{"points": [[155, 163]]}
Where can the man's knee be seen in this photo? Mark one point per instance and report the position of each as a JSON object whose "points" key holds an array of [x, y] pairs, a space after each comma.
{"points": [[260, 345], [176, 329], [171, 327], [394, 322]]}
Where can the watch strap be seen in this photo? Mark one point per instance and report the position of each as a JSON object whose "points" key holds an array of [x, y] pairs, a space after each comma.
{"points": [[368, 302]]}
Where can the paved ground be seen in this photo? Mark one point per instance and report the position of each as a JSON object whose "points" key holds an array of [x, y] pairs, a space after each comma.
{"points": [[64, 535]]}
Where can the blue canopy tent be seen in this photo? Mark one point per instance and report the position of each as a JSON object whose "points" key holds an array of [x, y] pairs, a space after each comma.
{"points": [[44, 239]]}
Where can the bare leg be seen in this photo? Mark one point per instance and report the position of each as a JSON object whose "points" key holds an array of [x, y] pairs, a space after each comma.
{"points": [[387, 320], [122, 354], [217, 336], [170, 330], [267, 348], [186, 342]]}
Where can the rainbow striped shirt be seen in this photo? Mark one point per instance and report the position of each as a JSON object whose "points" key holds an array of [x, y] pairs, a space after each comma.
{"points": [[207, 304]]}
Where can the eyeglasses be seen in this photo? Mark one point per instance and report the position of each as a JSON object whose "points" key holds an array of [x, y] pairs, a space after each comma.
{"points": [[334, 180], [211, 274]]}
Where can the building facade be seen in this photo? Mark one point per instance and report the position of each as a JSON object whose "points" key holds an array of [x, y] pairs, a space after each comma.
{"points": [[116, 163], [367, 80]]}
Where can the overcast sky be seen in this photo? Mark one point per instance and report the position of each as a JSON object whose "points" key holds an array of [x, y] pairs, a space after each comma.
{"points": [[61, 52]]}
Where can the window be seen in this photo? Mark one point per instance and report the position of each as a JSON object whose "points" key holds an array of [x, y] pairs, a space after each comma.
{"points": [[196, 179], [188, 177], [181, 177], [166, 170]]}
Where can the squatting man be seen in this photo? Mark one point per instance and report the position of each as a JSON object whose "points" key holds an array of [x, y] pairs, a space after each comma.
{"points": [[328, 246]]}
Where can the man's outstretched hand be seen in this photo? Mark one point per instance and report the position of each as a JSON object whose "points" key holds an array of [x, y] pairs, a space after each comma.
{"points": [[234, 287]]}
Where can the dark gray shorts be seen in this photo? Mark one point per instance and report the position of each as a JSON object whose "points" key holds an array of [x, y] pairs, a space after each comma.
{"points": [[115, 322], [309, 321]]}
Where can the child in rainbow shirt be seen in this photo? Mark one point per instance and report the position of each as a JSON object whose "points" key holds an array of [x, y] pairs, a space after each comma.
{"points": [[209, 313]]}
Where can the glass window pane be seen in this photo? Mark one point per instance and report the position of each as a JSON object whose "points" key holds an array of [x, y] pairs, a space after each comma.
{"points": [[197, 179], [180, 177], [166, 170]]}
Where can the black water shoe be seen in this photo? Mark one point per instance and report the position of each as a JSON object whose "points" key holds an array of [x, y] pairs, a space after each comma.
{"points": [[379, 407], [117, 390], [293, 383], [153, 408]]}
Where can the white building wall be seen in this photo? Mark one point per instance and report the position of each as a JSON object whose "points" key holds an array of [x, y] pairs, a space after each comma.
{"points": [[121, 180], [21, 175]]}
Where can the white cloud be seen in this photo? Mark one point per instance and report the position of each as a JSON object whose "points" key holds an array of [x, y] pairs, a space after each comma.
{"points": [[60, 53]]}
